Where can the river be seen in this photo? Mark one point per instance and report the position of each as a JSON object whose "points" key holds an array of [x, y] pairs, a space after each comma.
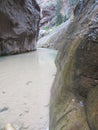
{"points": [[25, 83]]}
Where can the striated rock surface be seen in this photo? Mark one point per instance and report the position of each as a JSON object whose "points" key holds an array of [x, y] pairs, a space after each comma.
{"points": [[74, 96], [19, 26], [55, 39]]}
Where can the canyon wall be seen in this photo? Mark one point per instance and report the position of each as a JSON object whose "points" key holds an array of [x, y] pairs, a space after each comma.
{"points": [[74, 95], [19, 26]]}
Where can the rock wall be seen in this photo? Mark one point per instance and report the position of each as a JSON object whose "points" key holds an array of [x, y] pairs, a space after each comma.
{"points": [[55, 10], [74, 95], [19, 26]]}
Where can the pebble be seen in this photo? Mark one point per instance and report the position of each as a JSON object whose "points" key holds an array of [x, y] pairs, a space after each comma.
{"points": [[4, 109]]}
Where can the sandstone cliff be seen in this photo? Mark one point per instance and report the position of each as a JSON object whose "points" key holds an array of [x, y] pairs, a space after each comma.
{"points": [[74, 96], [54, 14], [19, 21]]}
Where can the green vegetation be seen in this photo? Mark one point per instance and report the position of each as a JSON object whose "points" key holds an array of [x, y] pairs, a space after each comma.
{"points": [[65, 18], [73, 2], [46, 28], [59, 18]]}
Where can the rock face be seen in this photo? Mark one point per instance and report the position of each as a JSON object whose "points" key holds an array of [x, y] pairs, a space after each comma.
{"points": [[74, 96], [55, 10], [54, 14], [19, 26], [51, 40], [48, 10]]}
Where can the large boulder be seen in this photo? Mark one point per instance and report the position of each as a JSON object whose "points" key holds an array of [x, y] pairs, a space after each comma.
{"points": [[19, 26], [74, 96]]}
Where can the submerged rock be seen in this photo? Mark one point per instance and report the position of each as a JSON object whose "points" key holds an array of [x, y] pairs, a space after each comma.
{"points": [[9, 127], [19, 26], [74, 96]]}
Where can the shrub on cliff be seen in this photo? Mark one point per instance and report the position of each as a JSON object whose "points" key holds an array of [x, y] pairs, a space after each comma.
{"points": [[59, 17], [73, 2]]}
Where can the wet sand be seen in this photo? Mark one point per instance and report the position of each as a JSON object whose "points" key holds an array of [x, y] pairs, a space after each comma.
{"points": [[25, 83]]}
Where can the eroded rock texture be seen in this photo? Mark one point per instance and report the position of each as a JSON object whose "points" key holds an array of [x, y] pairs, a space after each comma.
{"points": [[74, 96], [19, 25]]}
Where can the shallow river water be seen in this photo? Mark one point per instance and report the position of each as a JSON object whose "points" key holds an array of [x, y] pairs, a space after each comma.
{"points": [[25, 83]]}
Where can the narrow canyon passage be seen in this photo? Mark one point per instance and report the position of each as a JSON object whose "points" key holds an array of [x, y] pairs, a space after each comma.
{"points": [[25, 83]]}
